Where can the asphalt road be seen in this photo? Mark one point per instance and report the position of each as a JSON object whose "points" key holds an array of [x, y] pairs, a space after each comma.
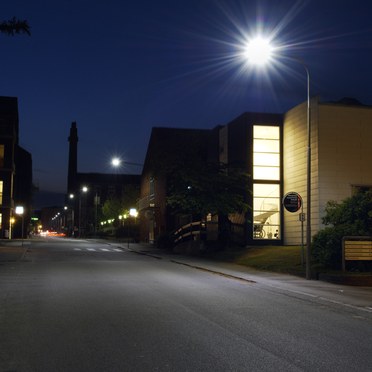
{"points": [[73, 305]]}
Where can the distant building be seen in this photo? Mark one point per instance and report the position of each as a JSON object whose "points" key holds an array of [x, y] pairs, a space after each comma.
{"points": [[162, 155], [83, 214], [272, 148], [15, 173]]}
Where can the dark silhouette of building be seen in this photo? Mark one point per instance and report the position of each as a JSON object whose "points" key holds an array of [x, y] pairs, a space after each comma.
{"points": [[72, 159], [87, 192], [168, 149], [15, 173]]}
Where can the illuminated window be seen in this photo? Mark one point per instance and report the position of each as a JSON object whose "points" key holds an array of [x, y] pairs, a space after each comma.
{"points": [[2, 147], [1, 192], [266, 187], [266, 153], [266, 208], [1, 221]]}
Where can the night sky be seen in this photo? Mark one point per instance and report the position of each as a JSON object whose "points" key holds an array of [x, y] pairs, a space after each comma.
{"points": [[120, 67]]}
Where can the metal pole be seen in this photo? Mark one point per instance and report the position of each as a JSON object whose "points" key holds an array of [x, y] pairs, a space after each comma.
{"points": [[22, 230], [308, 183], [79, 216], [95, 213], [128, 233], [308, 175], [302, 236]]}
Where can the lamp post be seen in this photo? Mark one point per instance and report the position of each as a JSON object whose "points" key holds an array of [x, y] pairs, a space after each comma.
{"points": [[83, 190], [72, 204], [259, 51], [20, 211], [132, 213]]}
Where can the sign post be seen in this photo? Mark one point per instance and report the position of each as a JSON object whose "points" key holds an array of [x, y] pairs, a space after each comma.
{"points": [[292, 202]]}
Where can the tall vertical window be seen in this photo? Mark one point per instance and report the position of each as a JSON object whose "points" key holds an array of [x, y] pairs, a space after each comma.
{"points": [[1, 192], [2, 150], [266, 153], [266, 184]]}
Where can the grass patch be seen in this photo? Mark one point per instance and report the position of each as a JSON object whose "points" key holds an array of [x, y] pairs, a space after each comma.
{"points": [[287, 259], [280, 259]]}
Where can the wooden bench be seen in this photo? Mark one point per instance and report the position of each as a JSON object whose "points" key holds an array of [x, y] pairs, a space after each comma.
{"points": [[356, 248]]}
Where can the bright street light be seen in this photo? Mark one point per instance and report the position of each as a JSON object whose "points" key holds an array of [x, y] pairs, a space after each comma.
{"points": [[20, 211], [133, 212], [259, 51], [115, 162]]}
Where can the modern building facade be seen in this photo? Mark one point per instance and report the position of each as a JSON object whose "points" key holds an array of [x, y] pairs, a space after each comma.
{"points": [[272, 149], [15, 173], [341, 160]]}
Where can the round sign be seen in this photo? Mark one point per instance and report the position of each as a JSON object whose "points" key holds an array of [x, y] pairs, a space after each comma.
{"points": [[292, 202]]}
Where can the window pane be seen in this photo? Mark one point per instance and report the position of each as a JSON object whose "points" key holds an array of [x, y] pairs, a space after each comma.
{"points": [[266, 159], [266, 208], [260, 145], [266, 173], [265, 131]]}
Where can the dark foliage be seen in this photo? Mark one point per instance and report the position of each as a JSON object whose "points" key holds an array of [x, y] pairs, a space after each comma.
{"points": [[15, 26], [208, 188], [351, 217]]}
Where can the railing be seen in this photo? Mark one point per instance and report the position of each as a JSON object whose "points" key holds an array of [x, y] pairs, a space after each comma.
{"points": [[190, 231]]}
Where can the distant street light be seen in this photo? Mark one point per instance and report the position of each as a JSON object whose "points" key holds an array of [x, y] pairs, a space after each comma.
{"points": [[132, 213], [84, 190], [259, 51], [20, 211], [72, 229]]}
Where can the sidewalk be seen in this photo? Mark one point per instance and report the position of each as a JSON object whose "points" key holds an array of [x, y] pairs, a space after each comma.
{"points": [[12, 251], [337, 294]]}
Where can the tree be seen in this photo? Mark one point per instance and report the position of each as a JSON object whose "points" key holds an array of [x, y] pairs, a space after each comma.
{"points": [[115, 206], [15, 26], [112, 208], [353, 216], [208, 188]]}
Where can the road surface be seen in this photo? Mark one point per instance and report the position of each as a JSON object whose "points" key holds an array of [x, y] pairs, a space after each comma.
{"points": [[75, 305]]}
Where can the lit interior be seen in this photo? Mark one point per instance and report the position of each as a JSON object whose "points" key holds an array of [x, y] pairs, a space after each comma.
{"points": [[266, 187]]}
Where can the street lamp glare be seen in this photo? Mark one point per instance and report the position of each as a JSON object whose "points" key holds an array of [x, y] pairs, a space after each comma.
{"points": [[258, 51], [116, 162]]}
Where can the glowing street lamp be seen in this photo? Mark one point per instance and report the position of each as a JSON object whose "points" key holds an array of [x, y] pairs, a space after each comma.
{"points": [[84, 190], [259, 51], [133, 212], [20, 211], [116, 162]]}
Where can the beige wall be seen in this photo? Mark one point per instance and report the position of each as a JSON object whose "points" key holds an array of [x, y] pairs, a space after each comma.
{"points": [[294, 167], [341, 157], [345, 151]]}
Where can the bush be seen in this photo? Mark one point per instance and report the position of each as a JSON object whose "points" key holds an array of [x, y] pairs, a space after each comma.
{"points": [[327, 247], [351, 217]]}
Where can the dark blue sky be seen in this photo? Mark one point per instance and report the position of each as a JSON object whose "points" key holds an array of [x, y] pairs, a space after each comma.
{"points": [[120, 67]]}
